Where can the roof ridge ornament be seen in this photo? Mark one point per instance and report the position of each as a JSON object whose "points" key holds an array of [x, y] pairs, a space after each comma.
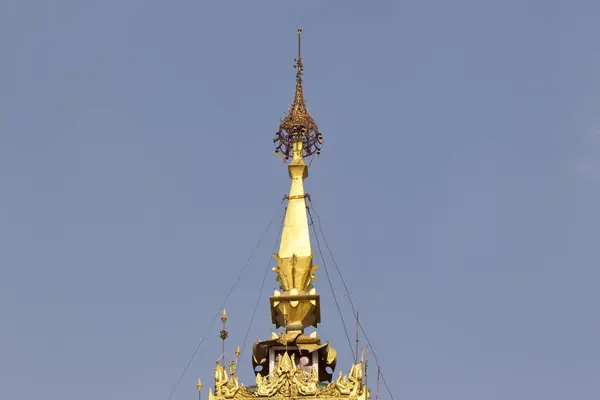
{"points": [[298, 125]]}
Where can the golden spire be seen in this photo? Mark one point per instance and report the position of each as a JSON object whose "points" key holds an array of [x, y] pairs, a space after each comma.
{"points": [[297, 137], [296, 131], [295, 238], [293, 364]]}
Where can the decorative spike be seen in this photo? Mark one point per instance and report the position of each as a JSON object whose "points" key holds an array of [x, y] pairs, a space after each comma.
{"points": [[223, 335]]}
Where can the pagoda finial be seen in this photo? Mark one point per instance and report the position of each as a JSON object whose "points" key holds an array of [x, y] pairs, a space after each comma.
{"points": [[298, 125], [296, 306]]}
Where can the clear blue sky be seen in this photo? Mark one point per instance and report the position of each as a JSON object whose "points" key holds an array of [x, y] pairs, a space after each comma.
{"points": [[459, 189]]}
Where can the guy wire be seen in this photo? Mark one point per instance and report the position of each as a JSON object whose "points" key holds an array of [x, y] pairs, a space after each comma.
{"points": [[262, 286], [331, 286], [220, 308], [349, 296]]}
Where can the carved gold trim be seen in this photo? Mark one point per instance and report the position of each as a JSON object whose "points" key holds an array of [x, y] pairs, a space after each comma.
{"points": [[288, 380]]}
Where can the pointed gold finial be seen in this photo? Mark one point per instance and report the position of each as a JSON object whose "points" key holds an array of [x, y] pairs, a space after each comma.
{"points": [[199, 385], [223, 335], [237, 352], [298, 125]]}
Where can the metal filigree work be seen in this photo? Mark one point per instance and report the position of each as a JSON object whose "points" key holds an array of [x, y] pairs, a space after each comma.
{"points": [[298, 125]]}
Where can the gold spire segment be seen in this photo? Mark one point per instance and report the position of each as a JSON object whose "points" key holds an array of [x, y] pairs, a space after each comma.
{"points": [[295, 237], [298, 306]]}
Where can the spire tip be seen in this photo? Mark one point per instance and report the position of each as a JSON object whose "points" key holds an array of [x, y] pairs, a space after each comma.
{"points": [[298, 125]]}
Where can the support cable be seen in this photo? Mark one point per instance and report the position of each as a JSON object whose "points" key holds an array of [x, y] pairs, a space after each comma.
{"points": [[220, 308], [354, 311], [262, 287], [331, 286]]}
